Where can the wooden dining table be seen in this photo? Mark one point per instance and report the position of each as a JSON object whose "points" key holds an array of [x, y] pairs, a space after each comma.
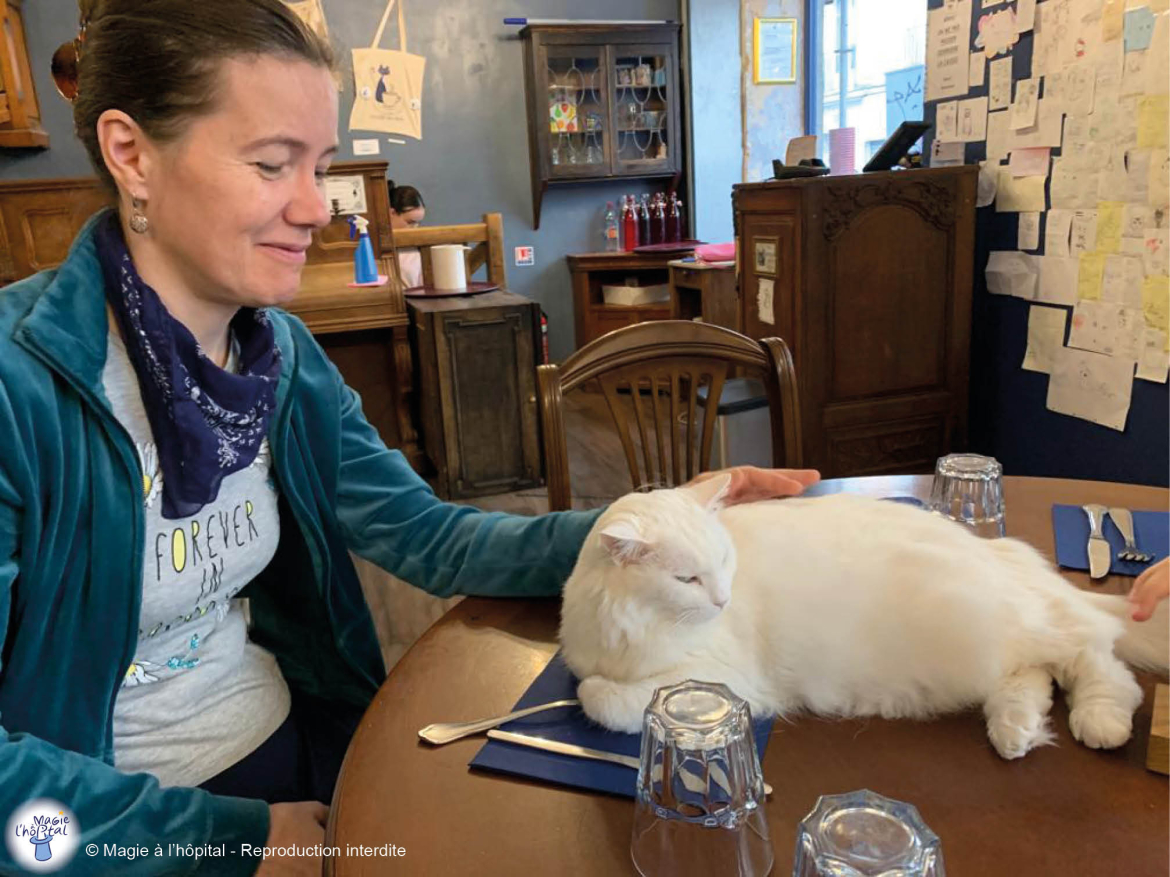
{"points": [[1062, 810]]}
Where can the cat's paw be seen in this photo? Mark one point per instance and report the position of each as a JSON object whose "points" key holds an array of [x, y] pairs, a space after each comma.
{"points": [[1101, 725], [1015, 732], [613, 705]]}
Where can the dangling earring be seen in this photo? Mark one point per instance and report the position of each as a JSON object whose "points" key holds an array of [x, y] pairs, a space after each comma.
{"points": [[139, 224]]}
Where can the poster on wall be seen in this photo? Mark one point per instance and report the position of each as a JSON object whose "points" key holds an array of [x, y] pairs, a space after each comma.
{"points": [[948, 62], [388, 85], [774, 50]]}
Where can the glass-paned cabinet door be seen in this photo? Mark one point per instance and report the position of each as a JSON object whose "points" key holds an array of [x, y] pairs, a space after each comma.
{"points": [[577, 132], [643, 109]]}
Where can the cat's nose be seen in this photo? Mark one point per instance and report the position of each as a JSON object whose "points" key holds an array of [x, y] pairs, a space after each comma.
{"points": [[720, 602]]}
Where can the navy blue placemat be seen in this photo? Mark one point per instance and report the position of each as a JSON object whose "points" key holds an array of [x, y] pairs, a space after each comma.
{"points": [[1071, 526], [570, 725]]}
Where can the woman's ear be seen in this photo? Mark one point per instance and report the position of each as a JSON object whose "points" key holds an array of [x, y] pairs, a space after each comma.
{"points": [[624, 543], [711, 491], [127, 152]]}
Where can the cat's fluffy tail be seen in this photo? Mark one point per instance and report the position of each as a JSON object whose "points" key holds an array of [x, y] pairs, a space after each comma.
{"points": [[1145, 644]]}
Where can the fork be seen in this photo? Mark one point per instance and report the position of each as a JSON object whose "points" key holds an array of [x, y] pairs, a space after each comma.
{"points": [[1124, 522], [448, 732]]}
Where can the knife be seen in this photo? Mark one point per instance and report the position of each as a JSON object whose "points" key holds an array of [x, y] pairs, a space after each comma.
{"points": [[1098, 548], [572, 749]]}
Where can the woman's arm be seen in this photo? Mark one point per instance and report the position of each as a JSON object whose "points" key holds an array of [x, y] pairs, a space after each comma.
{"points": [[111, 807]]}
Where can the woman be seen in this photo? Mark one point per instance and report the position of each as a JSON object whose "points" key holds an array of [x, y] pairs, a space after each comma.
{"points": [[407, 210], [168, 437]]}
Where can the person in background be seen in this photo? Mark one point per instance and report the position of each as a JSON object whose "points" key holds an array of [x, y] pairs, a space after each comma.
{"points": [[173, 442], [407, 210]]}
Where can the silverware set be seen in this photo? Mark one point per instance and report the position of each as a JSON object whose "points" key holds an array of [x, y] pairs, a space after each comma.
{"points": [[1098, 547]]}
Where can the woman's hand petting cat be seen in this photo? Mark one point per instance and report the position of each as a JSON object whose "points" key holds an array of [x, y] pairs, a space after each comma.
{"points": [[751, 484], [1150, 587]]}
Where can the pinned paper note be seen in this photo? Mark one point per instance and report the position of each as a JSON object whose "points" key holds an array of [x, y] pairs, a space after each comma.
{"points": [[1019, 194], [1084, 232], [1072, 186], [1025, 15], [1030, 162], [1058, 226], [1153, 121], [1046, 131], [972, 121], [1155, 254], [1045, 337], [1154, 363], [765, 295], [997, 32], [946, 121], [1122, 280], [1091, 386], [1090, 274], [1135, 219], [1158, 176], [1156, 303], [1137, 175], [1112, 19], [998, 135], [1028, 233], [1080, 81], [948, 33], [1058, 279], [1024, 108], [1011, 273], [1139, 28], [999, 89], [1107, 327], [987, 184], [1109, 226], [978, 70], [947, 154]]}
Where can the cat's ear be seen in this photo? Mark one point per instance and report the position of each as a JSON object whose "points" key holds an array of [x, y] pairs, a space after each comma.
{"points": [[624, 543], [710, 492]]}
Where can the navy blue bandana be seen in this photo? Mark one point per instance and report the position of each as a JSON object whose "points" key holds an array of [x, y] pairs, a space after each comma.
{"points": [[207, 422]]}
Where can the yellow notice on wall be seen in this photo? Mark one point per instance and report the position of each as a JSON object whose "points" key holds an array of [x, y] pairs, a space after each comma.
{"points": [[1154, 121], [1110, 221], [1090, 275], [1156, 302], [1112, 20]]}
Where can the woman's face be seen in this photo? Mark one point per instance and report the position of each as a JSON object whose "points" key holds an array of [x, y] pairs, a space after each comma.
{"points": [[411, 218], [233, 202]]}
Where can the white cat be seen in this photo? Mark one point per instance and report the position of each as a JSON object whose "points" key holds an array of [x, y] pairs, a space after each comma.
{"points": [[844, 606]]}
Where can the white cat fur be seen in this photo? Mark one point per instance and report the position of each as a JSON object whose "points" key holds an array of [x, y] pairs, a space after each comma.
{"points": [[844, 606]]}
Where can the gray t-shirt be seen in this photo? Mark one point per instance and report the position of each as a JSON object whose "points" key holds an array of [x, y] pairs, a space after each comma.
{"points": [[199, 696]]}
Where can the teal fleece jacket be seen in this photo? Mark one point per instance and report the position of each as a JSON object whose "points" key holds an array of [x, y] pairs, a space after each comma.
{"points": [[71, 555]]}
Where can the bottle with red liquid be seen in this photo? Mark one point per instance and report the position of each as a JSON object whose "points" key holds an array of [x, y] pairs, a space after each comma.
{"points": [[674, 229], [644, 223], [658, 219], [629, 224]]}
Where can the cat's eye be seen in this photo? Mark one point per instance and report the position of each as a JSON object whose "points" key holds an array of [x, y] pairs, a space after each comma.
{"points": [[687, 580]]}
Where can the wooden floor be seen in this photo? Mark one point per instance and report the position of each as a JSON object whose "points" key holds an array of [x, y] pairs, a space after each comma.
{"points": [[598, 475]]}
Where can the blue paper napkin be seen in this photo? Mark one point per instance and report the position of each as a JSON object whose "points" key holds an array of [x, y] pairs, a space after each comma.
{"points": [[570, 725], [1071, 526]]}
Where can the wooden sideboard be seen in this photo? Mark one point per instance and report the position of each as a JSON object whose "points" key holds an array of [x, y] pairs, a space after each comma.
{"points": [[868, 278], [39, 220], [592, 317]]}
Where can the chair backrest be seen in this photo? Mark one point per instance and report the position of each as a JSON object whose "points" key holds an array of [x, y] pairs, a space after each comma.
{"points": [[486, 240], [651, 374]]}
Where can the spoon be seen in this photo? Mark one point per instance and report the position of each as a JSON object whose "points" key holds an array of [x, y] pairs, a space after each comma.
{"points": [[447, 732]]}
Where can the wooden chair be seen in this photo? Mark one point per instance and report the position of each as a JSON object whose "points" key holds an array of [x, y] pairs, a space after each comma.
{"points": [[485, 240], [653, 371]]}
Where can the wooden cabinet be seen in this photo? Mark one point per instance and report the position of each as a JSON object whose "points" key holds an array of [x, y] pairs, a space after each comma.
{"points": [[603, 103], [476, 360], [868, 278], [707, 292], [20, 116], [592, 317], [39, 220]]}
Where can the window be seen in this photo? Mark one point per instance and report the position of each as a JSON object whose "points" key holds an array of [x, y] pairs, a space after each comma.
{"points": [[871, 74]]}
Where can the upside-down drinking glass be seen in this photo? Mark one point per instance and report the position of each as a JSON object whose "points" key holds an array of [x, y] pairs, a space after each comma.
{"points": [[700, 801], [968, 488], [862, 834]]}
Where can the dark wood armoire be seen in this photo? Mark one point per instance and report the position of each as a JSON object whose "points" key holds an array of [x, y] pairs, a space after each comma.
{"points": [[868, 278]]}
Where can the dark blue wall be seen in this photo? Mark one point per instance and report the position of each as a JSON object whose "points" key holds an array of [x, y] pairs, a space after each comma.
{"points": [[1009, 419]]}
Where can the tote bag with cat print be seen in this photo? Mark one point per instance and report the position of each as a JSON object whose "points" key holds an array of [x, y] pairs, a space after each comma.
{"points": [[388, 85]]}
